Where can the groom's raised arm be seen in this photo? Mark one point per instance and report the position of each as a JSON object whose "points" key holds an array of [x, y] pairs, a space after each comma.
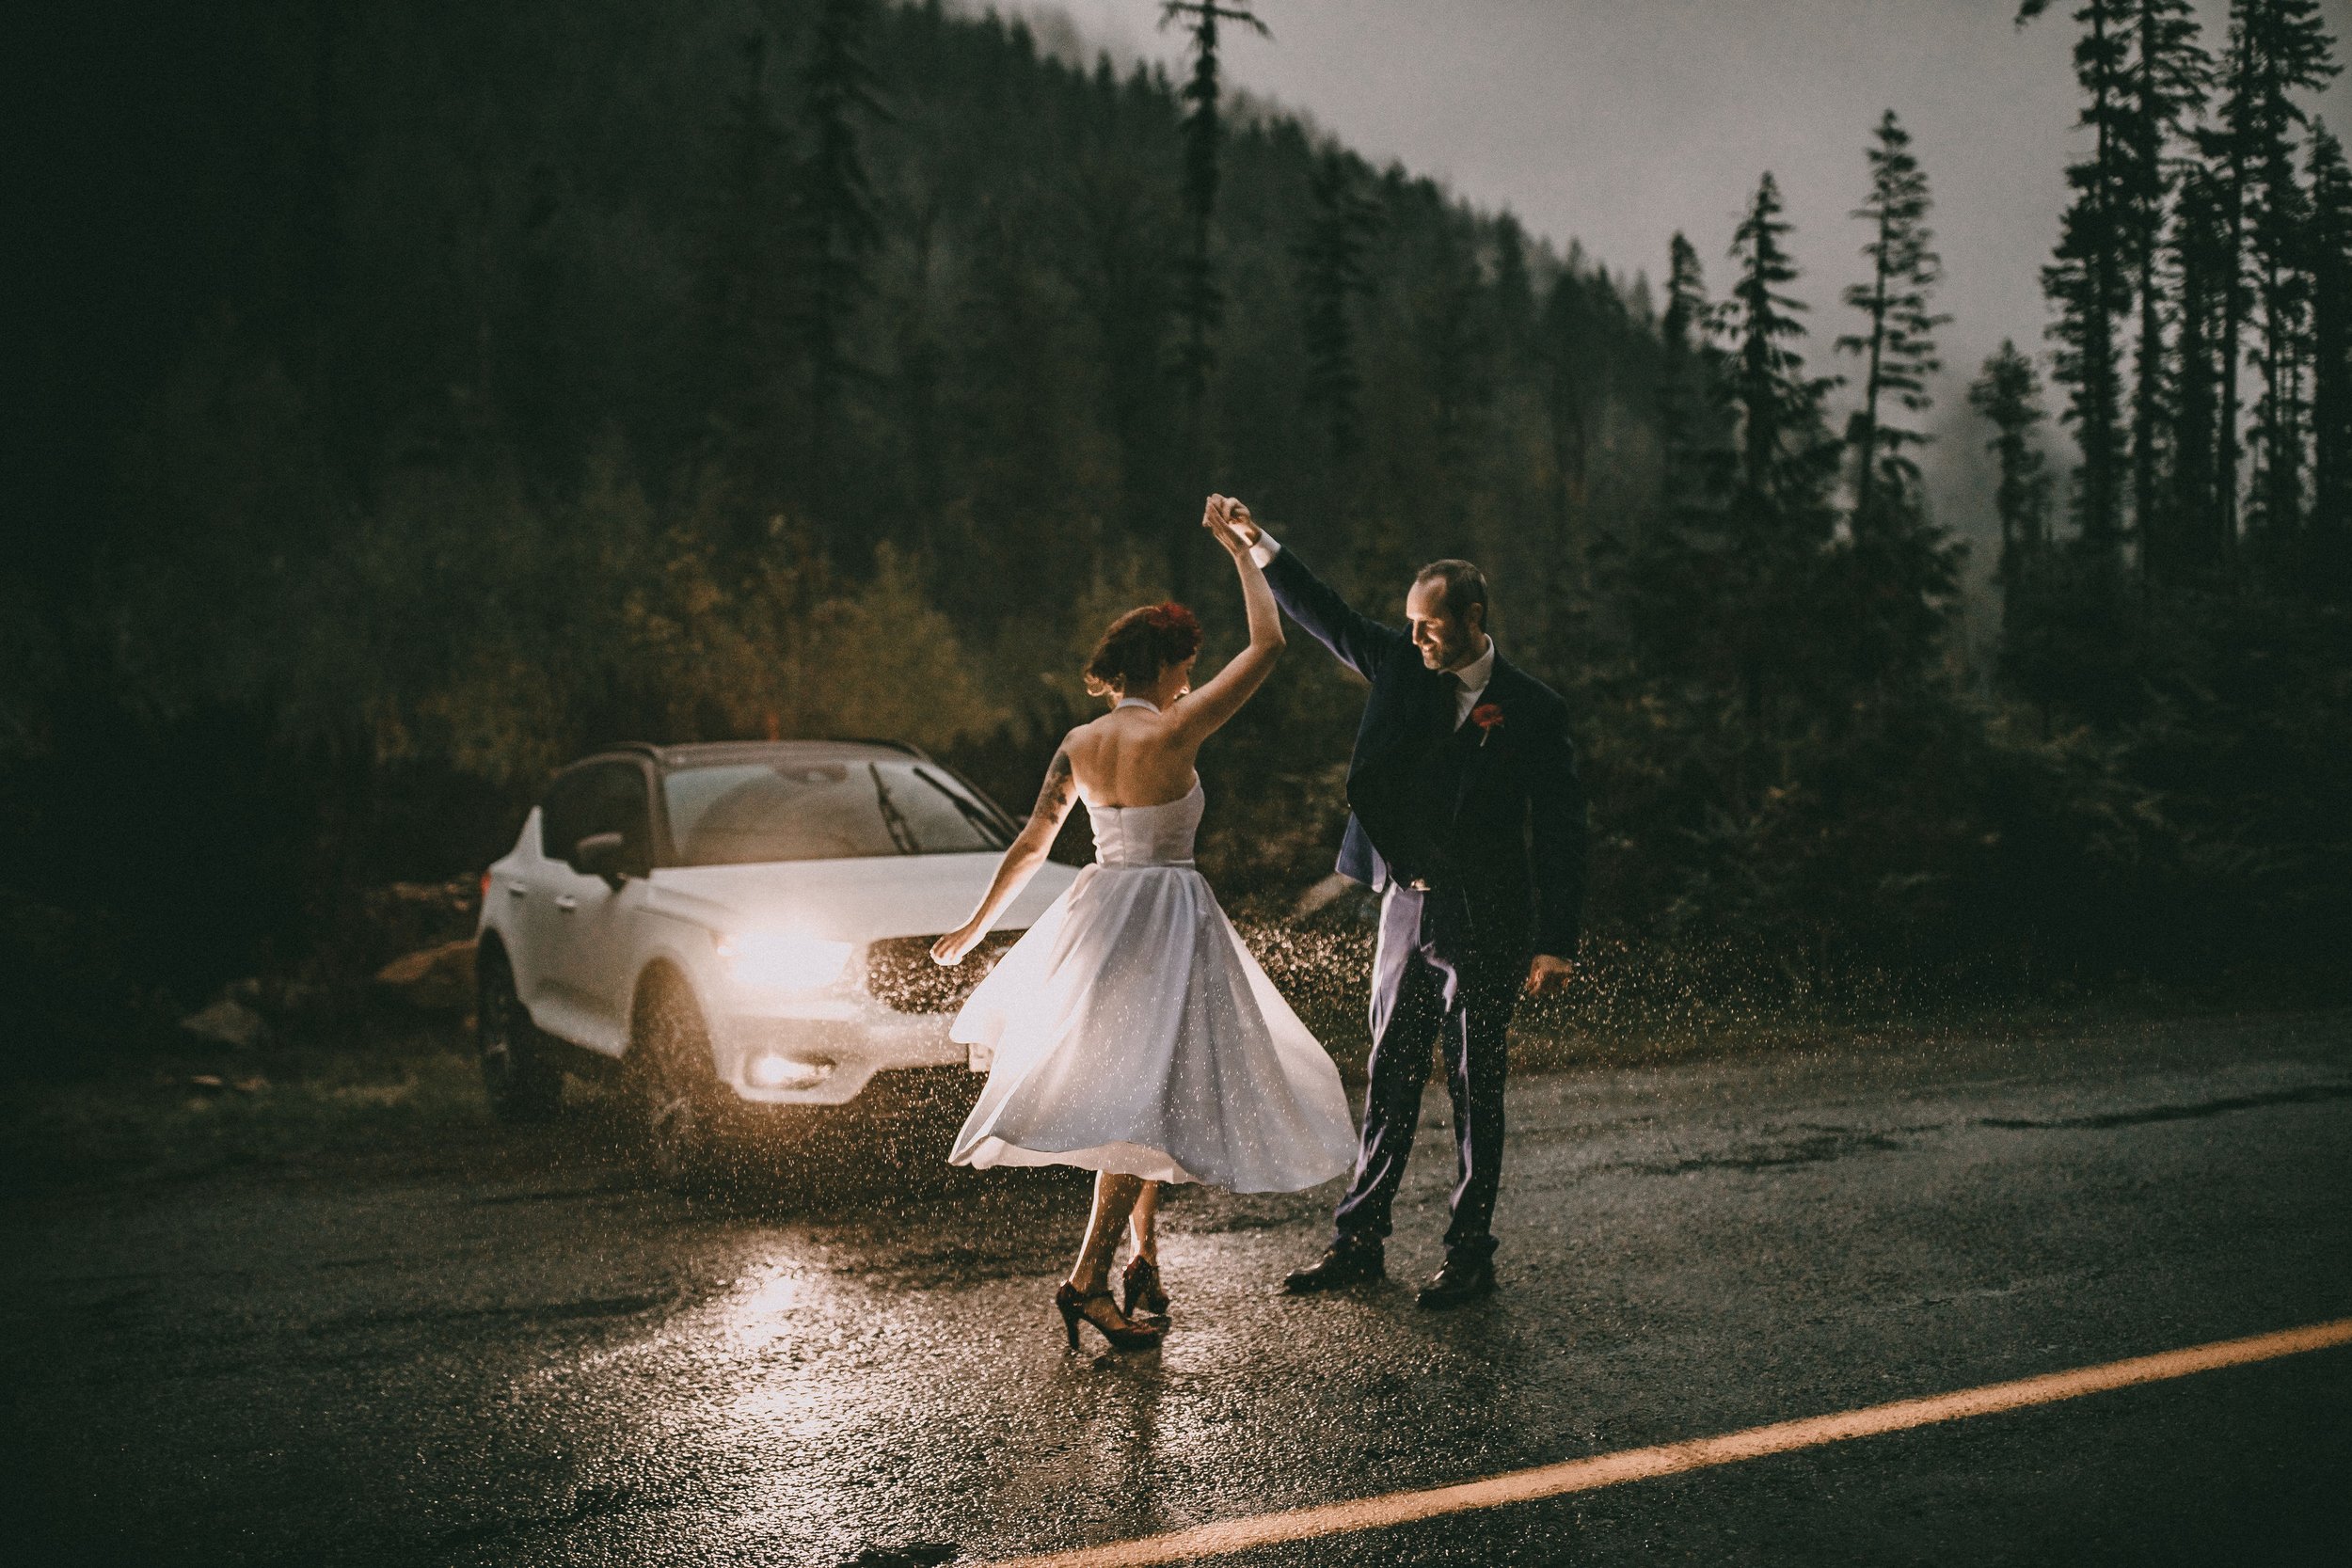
{"points": [[1362, 643]]}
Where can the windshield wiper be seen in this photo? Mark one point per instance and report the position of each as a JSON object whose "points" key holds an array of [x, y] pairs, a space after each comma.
{"points": [[992, 828], [893, 818]]}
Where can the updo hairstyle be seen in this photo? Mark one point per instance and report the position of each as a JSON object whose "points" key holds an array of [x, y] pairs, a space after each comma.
{"points": [[1139, 645]]}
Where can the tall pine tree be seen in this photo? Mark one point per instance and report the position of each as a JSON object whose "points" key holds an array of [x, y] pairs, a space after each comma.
{"points": [[2195, 539], [1899, 568], [1786, 459], [742, 270], [1780, 518], [839, 228], [2008, 394], [2166, 76], [2292, 51], [2089, 277], [2330, 531], [1331, 275], [1200, 300], [1898, 344], [2275, 49]]}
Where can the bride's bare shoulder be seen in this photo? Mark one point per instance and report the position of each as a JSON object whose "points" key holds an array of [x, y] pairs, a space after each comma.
{"points": [[1082, 745]]}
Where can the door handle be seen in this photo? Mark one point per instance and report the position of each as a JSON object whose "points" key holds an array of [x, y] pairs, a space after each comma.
{"points": [[565, 902]]}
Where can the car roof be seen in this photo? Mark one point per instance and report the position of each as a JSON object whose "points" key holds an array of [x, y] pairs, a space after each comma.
{"points": [[705, 754]]}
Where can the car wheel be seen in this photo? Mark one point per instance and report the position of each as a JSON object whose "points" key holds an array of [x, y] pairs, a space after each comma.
{"points": [[684, 1114], [518, 1070]]}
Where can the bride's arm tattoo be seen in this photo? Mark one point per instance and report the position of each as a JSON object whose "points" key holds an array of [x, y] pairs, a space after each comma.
{"points": [[1053, 797]]}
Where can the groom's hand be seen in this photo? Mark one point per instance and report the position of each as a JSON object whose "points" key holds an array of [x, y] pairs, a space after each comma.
{"points": [[1229, 519], [1547, 975]]}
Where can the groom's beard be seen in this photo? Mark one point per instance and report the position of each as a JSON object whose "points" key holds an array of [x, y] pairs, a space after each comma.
{"points": [[1455, 657]]}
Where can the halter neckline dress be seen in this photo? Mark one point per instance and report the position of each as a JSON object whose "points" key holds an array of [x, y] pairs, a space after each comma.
{"points": [[1129, 1030]]}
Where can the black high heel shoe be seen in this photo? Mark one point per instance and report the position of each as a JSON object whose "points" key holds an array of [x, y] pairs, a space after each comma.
{"points": [[1098, 1308], [1146, 1298]]}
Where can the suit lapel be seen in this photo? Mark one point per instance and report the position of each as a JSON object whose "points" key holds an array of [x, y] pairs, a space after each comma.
{"points": [[1410, 712], [1501, 688]]}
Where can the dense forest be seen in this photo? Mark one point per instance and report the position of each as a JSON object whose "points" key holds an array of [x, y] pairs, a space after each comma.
{"points": [[433, 392]]}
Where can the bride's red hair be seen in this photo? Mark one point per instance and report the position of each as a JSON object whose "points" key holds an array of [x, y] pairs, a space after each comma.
{"points": [[1138, 645]]}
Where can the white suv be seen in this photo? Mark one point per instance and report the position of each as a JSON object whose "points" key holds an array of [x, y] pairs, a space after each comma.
{"points": [[734, 924]]}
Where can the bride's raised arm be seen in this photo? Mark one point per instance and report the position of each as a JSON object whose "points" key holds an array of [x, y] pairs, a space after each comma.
{"points": [[1223, 695]]}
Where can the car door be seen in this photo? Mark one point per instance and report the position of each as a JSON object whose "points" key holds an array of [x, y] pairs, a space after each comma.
{"points": [[539, 930], [592, 958]]}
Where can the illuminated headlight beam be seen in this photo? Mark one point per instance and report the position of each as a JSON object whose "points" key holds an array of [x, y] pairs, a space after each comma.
{"points": [[783, 960]]}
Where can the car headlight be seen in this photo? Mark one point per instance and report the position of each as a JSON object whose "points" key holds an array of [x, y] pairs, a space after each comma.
{"points": [[783, 960]]}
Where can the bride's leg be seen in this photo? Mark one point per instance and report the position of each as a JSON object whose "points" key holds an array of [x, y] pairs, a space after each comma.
{"points": [[1114, 1198], [1143, 1224]]}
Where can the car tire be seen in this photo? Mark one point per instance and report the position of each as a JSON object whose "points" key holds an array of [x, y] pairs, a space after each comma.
{"points": [[517, 1069], [684, 1114]]}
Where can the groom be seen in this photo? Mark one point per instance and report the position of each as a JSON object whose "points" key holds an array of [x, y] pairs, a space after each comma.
{"points": [[1468, 821]]}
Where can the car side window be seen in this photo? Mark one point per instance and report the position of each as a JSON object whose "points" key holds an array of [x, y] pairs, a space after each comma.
{"points": [[561, 813], [606, 798], [618, 803]]}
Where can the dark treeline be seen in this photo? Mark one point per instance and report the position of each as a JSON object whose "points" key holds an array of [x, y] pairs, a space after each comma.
{"points": [[450, 391]]}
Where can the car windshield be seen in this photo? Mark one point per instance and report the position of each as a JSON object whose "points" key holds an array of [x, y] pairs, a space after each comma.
{"points": [[739, 812]]}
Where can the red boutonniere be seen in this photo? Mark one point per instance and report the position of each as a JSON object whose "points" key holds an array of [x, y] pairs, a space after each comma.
{"points": [[1489, 717]]}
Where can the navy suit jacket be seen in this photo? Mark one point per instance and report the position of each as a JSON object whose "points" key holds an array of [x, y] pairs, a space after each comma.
{"points": [[1513, 837]]}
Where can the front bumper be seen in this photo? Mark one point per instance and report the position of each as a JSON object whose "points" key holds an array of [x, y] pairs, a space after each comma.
{"points": [[849, 1041]]}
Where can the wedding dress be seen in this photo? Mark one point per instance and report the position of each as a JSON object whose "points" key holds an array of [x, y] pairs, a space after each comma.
{"points": [[1132, 1031]]}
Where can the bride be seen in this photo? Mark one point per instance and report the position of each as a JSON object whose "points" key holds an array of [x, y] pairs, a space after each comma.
{"points": [[1133, 1033]]}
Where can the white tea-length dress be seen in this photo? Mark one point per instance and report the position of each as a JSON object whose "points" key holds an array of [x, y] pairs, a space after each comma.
{"points": [[1132, 1032]]}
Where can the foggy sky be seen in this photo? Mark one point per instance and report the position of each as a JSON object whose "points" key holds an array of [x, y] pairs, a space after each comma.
{"points": [[1615, 122]]}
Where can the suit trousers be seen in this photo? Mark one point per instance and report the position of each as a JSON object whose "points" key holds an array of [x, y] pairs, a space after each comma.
{"points": [[1433, 975]]}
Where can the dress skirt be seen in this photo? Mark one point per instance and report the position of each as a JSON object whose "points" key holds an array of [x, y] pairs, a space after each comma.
{"points": [[1129, 1030]]}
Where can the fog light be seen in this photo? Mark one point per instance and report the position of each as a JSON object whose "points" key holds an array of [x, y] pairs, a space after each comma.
{"points": [[769, 1070]]}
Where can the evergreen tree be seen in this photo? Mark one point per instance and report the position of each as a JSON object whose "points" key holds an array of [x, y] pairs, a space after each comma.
{"points": [[1786, 459], [1688, 378], [2167, 75], [2275, 49], [839, 228], [741, 274], [1779, 518], [1901, 569], [1574, 379], [1457, 352], [1899, 344], [2331, 555], [2089, 280], [1200, 300], [2007, 394], [2292, 50], [1332, 273], [1663, 577], [1513, 292], [2195, 539]]}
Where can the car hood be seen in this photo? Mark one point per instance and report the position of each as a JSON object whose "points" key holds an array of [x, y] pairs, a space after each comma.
{"points": [[853, 900]]}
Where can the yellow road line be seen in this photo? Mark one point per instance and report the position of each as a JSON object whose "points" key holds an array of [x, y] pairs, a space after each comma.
{"points": [[1612, 1469]]}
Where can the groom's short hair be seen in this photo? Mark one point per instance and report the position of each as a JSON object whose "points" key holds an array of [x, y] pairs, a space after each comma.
{"points": [[1465, 586]]}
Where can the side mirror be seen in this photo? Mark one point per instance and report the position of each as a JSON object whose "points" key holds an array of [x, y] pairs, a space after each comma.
{"points": [[602, 855]]}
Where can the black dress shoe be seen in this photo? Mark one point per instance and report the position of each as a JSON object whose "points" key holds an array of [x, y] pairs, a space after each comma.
{"points": [[1460, 1280], [1338, 1266]]}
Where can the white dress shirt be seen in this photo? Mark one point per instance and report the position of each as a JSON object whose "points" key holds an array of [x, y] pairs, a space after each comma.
{"points": [[1474, 677]]}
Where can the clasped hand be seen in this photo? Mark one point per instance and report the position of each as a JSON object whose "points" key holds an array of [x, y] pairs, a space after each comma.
{"points": [[1230, 522]]}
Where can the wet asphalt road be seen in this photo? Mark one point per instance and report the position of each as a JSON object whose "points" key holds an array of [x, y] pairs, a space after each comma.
{"points": [[500, 1347]]}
